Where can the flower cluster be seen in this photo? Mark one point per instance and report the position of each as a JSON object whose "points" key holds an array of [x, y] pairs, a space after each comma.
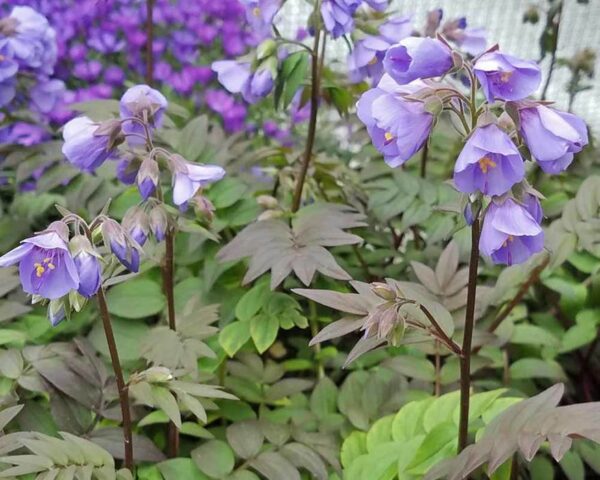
{"points": [[400, 111], [366, 59]]}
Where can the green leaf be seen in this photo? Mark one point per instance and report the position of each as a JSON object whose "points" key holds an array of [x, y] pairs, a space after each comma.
{"points": [[128, 336], [353, 447], [228, 191], [293, 73], [252, 301], [167, 403], [323, 399], [193, 138], [541, 468], [526, 368], [380, 432], [533, 335], [214, 458], [137, 298], [440, 410], [234, 336], [8, 336], [408, 422], [573, 466], [180, 469], [263, 329], [436, 445]]}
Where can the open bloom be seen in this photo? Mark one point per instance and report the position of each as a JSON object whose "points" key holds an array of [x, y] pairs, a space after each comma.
{"points": [[46, 95], [189, 177], [366, 59], [552, 136], [470, 40], [30, 38], [417, 57], [46, 267], [337, 16], [398, 127], [237, 78], [510, 233], [260, 15], [146, 105], [504, 77], [87, 143], [489, 162]]}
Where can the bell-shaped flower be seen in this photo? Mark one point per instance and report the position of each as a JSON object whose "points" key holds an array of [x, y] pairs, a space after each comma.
{"points": [[159, 222], [398, 127], [146, 105], [121, 245], [88, 144], [135, 223], [417, 57], [338, 16], [30, 38], [46, 267], [510, 233], [237, 77], [148, 177], [552, 136], [504, 77], [190, 177], [489, 162], [87, 265], [260, 15]]}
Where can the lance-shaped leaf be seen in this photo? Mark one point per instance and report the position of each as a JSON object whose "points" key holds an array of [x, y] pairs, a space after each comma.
{"points": [[274, 245], [524, 427]]}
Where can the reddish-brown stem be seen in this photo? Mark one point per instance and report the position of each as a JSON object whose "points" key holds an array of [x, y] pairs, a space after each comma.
{"points": [[121, 387], [465, 359], [149, 42]]}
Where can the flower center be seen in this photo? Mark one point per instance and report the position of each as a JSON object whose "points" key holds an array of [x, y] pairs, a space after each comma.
{"points": [[388, 137], [508, 240], [256, 11], [41, 268], [373, 61], [505, 76], [485, 163]]}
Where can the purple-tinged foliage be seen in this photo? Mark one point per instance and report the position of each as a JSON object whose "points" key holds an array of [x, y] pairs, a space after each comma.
{"points": [[510, 233], [489, 163], [504, 77], [552, 136], [88, 144], [398, 127], [417, 58], [46, 267]]}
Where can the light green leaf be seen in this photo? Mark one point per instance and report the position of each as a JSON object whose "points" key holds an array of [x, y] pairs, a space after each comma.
{"points": [[234, 336], [215, 458], [137, 298], [263, 329]]}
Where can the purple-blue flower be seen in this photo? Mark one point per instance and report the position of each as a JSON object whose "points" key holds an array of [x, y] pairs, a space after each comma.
{"points": [[379, 5], [417, 57], [260, 15], [398, 127], [510, 233], [552, 136], [47, 94], [338, 16], [86, 145], [190, 177], [8, 70], [504, 77], [147, 177], [88, 268], [30, 39], [146, 105], [46, 267], [489, 162], [121, 245], [237, 78], [366, 59]]}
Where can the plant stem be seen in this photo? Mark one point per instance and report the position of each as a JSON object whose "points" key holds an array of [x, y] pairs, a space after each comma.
{"points": [[312, 126], [122, 388], [437, 389], [149, 42], [465, 359], [168, 287], [424, 154], [556, 27]]}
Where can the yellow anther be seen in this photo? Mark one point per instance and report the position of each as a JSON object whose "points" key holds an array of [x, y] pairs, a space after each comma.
{"points": [[39, 271], [505, 76], [373, 61], [485, 163], [388, 136], [37, 265], [509, 239], [51, 266], [47, 260], [256, 11]]}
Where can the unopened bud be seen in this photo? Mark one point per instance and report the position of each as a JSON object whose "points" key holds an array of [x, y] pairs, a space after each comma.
{"points": [[152, 375], [203, 206], [136, 224], [56, 312], [159, 222], [267, 201], [113, 130], [266, 49], [269, 214], [383, 291], [148, 177]]}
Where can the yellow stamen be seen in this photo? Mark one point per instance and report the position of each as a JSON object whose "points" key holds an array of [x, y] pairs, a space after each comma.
{"points": [[373, 61], [505, 76], [51, 266], [485, 163], [256, 11], [388, 136], [39, 271], [509, 239]]}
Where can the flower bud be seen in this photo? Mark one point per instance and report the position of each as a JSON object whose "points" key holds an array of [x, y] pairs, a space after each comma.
{"points": [[383, 291], [87, 265], [269, 214], [266, 49], [127, 169], [136, 224], [267, 201], [147, 177], [159, 222], [56, 312], [203, 207], [151, 375], [120, 245]]}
